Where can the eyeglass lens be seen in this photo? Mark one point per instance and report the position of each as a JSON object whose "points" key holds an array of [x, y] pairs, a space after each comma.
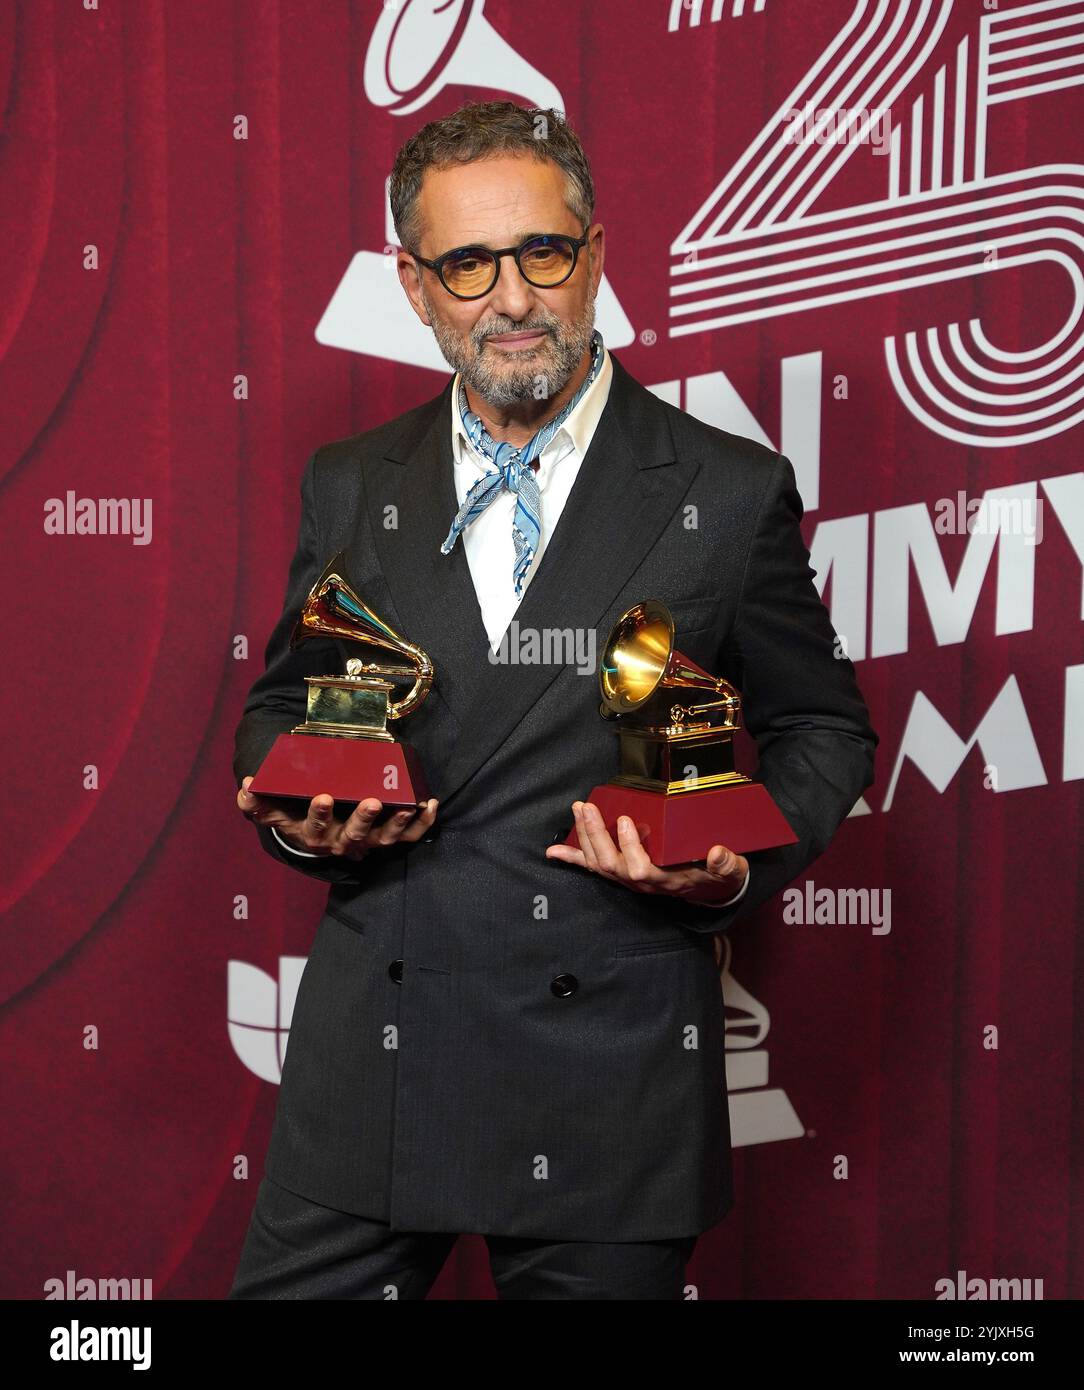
{"points": [[545, 260]]}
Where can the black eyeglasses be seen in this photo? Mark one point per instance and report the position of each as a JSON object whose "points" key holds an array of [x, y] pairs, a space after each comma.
{"points": [[469, 272]]}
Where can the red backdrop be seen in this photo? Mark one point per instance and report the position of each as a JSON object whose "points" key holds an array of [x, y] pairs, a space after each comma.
{"points": [[898, 312]]}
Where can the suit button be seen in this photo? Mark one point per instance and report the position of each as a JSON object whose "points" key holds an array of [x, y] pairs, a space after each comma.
{"points": [[564, 985], [395, 970]]}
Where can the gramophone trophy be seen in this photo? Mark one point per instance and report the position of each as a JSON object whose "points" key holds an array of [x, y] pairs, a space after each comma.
{"points": [[344, 747], [677, 755]]}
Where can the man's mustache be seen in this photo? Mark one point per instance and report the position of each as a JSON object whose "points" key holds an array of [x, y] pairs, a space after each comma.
{"points": [[480, 335]]}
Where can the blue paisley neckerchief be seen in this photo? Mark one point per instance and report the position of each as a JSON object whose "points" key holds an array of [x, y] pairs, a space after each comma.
{"points": [[512, 472]]}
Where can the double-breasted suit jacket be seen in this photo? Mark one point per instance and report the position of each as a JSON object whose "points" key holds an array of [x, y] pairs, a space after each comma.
{"points": [[485, 1040]]}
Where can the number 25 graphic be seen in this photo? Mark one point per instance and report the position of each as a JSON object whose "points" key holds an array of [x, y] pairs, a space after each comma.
{"points": [[754, 250]]}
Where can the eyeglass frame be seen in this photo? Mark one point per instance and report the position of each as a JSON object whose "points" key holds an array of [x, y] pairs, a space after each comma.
{"points": [[437, 266]]}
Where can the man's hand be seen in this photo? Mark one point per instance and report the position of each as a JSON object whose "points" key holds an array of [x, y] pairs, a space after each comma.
{"points": [[627, 861], [319, 832]]}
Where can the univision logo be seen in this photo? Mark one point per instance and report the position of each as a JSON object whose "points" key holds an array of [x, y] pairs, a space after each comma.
{"points": [[259, 1010]]}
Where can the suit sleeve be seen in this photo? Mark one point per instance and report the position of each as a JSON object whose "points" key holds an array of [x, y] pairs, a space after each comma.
{"points": [[800, 700], [277, 699]]}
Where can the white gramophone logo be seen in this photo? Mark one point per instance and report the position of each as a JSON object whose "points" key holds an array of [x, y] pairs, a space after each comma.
{"points": [[419, 47], [759, 1113], [260, 1010]]}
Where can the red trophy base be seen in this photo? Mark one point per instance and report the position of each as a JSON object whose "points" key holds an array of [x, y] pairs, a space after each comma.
{"points": [[685, 826], [349, 769]]}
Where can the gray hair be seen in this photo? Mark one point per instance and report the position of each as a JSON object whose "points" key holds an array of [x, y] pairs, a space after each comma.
{"points": [[483, 130]]}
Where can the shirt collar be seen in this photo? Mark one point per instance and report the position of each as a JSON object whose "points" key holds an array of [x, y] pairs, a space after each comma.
{"points": [[579, 427]]}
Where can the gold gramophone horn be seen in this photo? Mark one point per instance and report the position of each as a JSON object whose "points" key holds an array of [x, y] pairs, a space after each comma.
{"points": [[639, 661], [333, 609]]}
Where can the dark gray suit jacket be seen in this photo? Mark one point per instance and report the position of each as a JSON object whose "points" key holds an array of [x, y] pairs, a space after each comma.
{"points": [[471, 1096]]}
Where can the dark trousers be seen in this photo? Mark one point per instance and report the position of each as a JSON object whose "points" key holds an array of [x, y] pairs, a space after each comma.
{"points": [[298, 1249]]}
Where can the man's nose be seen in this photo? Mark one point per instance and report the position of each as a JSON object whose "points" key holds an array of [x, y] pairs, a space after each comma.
{"points": [[511, 296]]}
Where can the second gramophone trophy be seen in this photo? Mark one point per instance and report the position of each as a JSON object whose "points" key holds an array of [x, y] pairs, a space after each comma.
{"points": [[344, 747], [676, 725]]}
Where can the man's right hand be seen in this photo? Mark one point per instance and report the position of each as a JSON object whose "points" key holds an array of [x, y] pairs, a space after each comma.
{"points": [[319, 832]]}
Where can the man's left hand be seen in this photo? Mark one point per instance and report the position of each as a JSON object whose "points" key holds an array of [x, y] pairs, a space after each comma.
{"points": [[627, 861]]}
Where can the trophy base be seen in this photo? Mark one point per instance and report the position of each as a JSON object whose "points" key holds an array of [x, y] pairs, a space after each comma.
{"points": [[685, 826], [349, 769]]}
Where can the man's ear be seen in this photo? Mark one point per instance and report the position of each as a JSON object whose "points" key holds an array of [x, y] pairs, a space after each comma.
{"points": [[596, 246], [410, 279]]}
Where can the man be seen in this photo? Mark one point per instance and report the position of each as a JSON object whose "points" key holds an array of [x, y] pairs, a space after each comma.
{"points": [[494, 1032]]}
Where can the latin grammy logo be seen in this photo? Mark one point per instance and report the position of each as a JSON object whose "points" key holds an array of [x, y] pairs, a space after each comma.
{"points": [[759, 1113]]}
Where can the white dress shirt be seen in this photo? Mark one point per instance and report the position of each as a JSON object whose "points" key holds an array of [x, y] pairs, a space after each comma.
{"points": [[487, 541]]}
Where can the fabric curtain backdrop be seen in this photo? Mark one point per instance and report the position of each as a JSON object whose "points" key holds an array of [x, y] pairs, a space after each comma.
{"points": [[846, 229]]}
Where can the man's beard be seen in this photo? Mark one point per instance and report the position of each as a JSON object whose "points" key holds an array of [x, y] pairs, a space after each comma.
{"points": [[503, 379]]}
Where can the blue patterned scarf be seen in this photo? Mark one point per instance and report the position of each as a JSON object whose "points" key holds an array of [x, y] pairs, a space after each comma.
{"points": [[512, 472]]}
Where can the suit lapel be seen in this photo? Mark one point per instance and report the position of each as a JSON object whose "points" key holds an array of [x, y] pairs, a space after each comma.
{"points": [[432, 594]]}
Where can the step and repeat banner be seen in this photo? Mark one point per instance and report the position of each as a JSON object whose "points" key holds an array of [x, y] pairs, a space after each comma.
{"points": [[850, 229]]}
